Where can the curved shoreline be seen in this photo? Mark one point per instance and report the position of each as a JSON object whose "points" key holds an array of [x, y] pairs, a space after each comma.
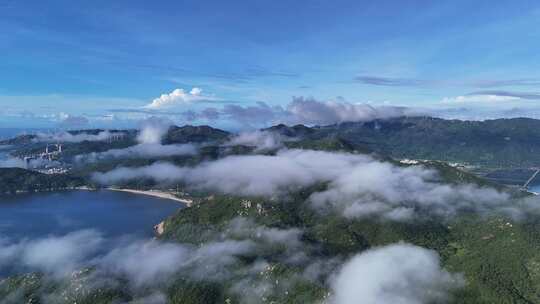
{"points": [[155, 193]]}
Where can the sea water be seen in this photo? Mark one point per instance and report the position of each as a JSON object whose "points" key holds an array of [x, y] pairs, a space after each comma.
{"points": [[112, 213]]}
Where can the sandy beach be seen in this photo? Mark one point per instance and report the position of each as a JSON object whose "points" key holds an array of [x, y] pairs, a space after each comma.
{"points": [[156, 193]]}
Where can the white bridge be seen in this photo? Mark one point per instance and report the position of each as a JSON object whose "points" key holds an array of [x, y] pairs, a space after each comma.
{"points": [[526, 185]]}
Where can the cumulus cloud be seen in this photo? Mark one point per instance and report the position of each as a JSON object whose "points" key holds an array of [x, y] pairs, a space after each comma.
{"points": [[179, 97], [398, 273], [78, 137]]}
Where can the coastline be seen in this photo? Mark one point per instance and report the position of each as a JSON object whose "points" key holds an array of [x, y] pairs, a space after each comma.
{"points": [[155, 193]]}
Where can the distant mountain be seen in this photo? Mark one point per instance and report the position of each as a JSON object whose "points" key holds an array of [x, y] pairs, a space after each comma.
{"points": [[499, 143], [19, 140], [6, 133], [327, 144], [198, 134], [294, 131]]}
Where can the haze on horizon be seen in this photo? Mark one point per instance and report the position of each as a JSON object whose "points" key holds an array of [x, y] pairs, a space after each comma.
{"points": [[247, 64]]}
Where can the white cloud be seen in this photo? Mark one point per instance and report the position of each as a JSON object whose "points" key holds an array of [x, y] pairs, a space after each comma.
{"points": [[58, 256], [75, 138], [381, 189], [398, 273], [377, 275], [153, 129], [311, 111], [262, 140], [248, 174], [482, 99], [288, 239], [140, 151], [142, 262], [179, 97], [145, 262], [358, 185], [15, 162]]}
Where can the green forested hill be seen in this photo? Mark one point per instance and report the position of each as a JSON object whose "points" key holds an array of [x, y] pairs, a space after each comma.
{"points": [[492, 143], [14, 180], [197, 134], [499, 260]]}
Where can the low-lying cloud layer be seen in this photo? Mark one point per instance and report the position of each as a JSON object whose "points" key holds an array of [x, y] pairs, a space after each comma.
{"points": [[150, 265], [143, 262], [398, 273], [179, 97], [401, 193], [261, 140], [141, 151], [15, 162], [149, 138], [248, 175], [58, 256], [357, 185], [75, 138]]}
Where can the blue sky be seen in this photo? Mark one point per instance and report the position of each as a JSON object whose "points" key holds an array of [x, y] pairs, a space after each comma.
{"points": [[104, 62]]}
